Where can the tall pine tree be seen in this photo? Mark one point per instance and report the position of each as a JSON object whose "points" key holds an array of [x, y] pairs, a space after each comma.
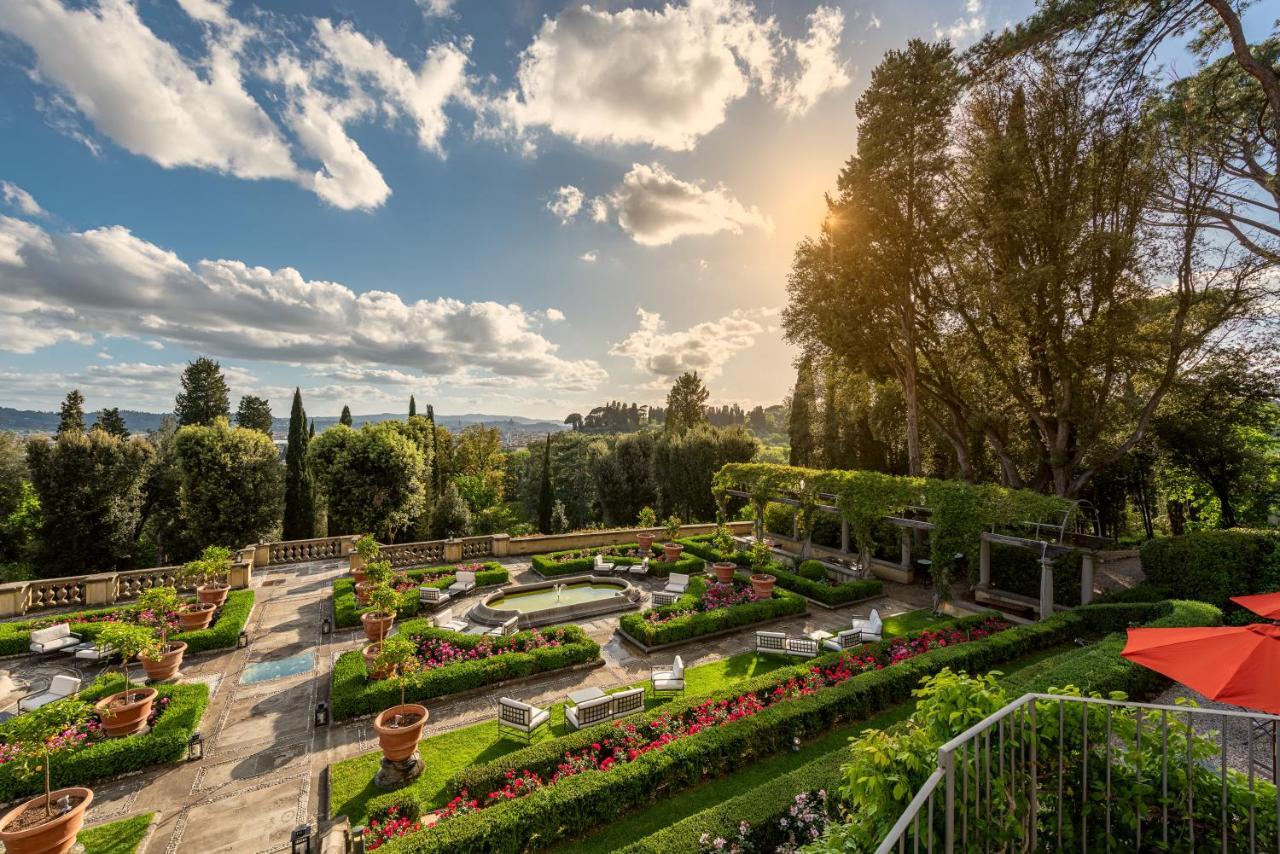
{"points": [[832, 452], [437, 471], [413, 406], [299, 504], [204, 396], [345, 418], [71, 413], [800, 427], [112, 421], [546, 496]]}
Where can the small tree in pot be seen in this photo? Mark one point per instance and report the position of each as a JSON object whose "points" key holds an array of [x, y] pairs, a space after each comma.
{"points": [[670, 548], [159, 605], [367, 551], [646, 519], [126, 712], [377, 623], [399, 728], [212, 570], [375, 573], [761, 558], [47, 823]]}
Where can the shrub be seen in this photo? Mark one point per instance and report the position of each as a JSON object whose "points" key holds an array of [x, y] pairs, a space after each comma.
{"points": [[352, 693], [347, 610], [579, 561], [828, 594], [703, 546], [783, 603], [1018, 571], [814, 570], [1213, 566]]}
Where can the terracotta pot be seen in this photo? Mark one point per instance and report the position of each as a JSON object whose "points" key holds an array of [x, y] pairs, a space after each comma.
{"points": [[166, 666], [197, 616], [362, 591], [645, 542], [724, 571], [376, 626], [56, 836], [399, 743], [762, 584], [671, 552], [213, 594], [129, 718], [370, 653], [358, 575]]}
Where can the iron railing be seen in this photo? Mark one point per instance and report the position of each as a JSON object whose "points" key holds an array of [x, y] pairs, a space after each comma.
{"points": [[1053, 773]]}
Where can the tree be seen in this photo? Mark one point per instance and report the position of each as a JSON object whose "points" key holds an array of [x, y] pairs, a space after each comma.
{"points": [[685, 402], [299, 500], [624, 478], [800, 426], [574, 420], [254, 414], [229, 483], [90, 491], [413, 406], [685, 463], [345, 418], [833, 456], [546, 497], [112, 421], [450, 517], [161, 519], [559, 518], [71, 413], [372, 480], [19, 507], [204, 397]]}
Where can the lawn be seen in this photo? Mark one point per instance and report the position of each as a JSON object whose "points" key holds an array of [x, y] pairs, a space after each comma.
{"points": [[118, 837]]}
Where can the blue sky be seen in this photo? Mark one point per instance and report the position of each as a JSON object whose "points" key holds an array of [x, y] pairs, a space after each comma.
{"points": [[509, 207]]}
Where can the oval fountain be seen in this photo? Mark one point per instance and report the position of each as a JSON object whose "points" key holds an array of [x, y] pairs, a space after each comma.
{"points": [[545, 603]]}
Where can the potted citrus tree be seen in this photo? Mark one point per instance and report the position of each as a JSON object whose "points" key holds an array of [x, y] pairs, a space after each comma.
{"points": [[194, 615], [157, 604], [126, 712], [670, 548], [48, 823], [646, 519], [213, 568], [377, 623], [375, 573], [367, 551], [761, 581], [399, 728]]}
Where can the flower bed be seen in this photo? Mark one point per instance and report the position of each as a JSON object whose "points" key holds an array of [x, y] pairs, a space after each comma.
{"points": [[88, 757], [581, 801], [230, 618], [580, 561], [462, 662], [347, 610], [694, 614], [820, 591]]}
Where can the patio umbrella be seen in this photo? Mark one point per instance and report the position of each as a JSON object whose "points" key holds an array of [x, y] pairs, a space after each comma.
{"points": [[1231, 664], [1264, 604]]}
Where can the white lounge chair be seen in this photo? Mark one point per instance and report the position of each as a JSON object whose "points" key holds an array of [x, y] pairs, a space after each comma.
{"points": [[641, 568], [521, 717], [446, 620], [464, 582], [94, 652], [872, 628], [60, 687], [847, 639], [678, 583], [433, 597], [510, 627], [779, 643], [53, 639], [600, 566], [662, 597], [668, 679]]}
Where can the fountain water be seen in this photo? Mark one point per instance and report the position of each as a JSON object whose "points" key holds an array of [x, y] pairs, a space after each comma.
{"points": [[559, 587]]}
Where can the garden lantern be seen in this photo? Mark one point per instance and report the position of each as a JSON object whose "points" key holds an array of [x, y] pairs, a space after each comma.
{"points": [[300, 840], [326, 626], [244, 639], [195, 747], [357, 840], [322, 714]]}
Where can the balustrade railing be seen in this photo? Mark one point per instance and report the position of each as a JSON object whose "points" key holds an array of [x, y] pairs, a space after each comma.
{"points": [[131, 584], [56, 593], [476, 547], [414, 554], [300, 551]]}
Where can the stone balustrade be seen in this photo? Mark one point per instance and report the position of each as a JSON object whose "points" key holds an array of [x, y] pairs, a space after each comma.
{"points": [[301, 551]]}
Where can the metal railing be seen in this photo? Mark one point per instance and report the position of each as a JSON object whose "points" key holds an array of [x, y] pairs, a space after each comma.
{"points": [[1050, 772]]}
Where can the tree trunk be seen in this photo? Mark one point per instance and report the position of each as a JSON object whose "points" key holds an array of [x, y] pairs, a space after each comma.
{"points": [[911, 393]]}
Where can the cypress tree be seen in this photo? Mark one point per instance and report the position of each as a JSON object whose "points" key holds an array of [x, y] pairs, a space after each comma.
{"points": [[800, 426], [71, 413], [832, 457], [345, 417], [311, 431], [299, 507], [437, 475], [413, 406], [546, 497]]}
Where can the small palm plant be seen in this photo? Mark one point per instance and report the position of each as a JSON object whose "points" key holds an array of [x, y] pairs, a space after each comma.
{"points": [[398, 657], [157, 604], [130, 641], [385, 601]]}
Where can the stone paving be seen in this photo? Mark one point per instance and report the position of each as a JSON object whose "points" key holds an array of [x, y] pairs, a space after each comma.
{"points": [[264, 759]]}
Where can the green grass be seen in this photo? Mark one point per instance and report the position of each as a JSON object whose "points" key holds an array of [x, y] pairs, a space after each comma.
{"points": [[351, 789], [118, 837], [912, 621]]}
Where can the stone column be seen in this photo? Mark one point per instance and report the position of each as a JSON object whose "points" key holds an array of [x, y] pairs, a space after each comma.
{"points": [[908, 541], [844, 534], [13, 598], [241, 575], [348, 545], [261, 554], [984, 564], [1086, 578], [355, 561], [452, 551], [501, 545], [759, 530], [100, 589], [1046, 588]]}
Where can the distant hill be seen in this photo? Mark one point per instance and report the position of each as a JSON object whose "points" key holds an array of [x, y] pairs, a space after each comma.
{"points": [[32, 421]]}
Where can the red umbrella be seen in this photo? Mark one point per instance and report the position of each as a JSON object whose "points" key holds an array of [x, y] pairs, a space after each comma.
{"points": [[1264, 604], [1238, 665]]}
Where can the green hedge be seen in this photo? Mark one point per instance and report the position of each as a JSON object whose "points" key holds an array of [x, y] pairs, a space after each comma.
{"points": [[165, 743], [700, 623], [546, 565], [701, 546], [15, 638], [820, 590], [347, 610], [1213, 566], [352, 694], [1018, 571]]}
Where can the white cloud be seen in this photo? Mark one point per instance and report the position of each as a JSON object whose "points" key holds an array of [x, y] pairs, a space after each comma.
{"points": [[655, 208], [555, 315], [590, 257], [874, 22], [967, 27], [566, 203], [436, 8], [662, 77], [705, 347], [20, 199], [599, 210], [66, 286]]}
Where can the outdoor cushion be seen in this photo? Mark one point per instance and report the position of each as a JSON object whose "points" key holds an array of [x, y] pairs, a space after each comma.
{"points": [[53, 638], [589, 712], [871, 628], [60, 687], [771, 642], [628, 702], [641, 568], [432, 595], [463, 582], [93, 652], [669, 678], [844, 640], [521, 716], [678, 582]]}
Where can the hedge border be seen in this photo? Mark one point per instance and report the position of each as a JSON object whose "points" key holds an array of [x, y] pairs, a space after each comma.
{"points": [[351, 694], [702, 623], [826, 595], [545, 565], [347, 611]]}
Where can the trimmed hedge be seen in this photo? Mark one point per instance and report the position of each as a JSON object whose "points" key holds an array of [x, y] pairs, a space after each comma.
{"points": [[702, 547], [165, 743], [577, 804], [700, 623], [1018, 571], [546, 565], [817, 589], [15, 638], [347, 610], [352, 694], [1213, 566]]}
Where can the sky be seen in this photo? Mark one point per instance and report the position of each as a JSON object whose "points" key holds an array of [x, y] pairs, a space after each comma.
{"points": [[498, 206]]}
